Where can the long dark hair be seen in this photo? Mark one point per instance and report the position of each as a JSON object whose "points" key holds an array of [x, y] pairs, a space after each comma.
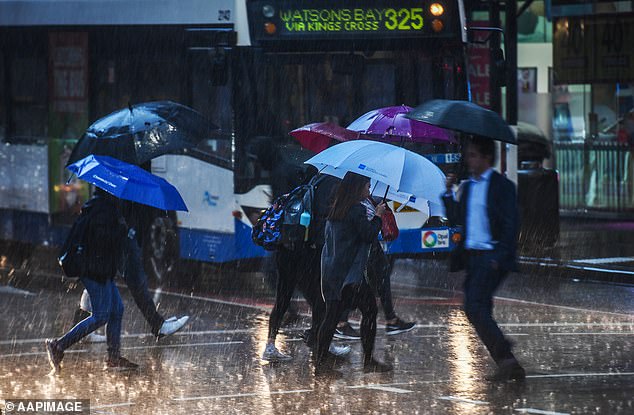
{"points": [[349, 193]]}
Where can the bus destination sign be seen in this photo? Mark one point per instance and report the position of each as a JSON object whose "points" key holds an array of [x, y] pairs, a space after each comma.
{"points": [[315, 19]]}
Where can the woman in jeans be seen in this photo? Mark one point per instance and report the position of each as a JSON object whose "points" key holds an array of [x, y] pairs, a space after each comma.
{"points": [[103, 240], [349, 235]]}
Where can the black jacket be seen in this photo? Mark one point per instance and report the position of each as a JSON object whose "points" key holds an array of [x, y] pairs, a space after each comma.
{"points": [[104, 238], [345, 254], [323, 199], [503, 220]]}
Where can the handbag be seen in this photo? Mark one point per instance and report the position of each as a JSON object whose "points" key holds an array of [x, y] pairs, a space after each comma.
{"points": [[389, 228]]}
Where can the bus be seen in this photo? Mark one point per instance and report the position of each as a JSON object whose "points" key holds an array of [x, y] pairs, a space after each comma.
{"points": [[256, 68]]}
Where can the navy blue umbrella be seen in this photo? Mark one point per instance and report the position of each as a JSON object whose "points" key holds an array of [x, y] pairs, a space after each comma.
{"points": [[463, 116], [144, 131], [129, 182]]}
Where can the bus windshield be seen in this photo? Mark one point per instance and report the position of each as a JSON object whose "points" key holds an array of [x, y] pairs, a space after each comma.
{"points": [[290, 90]]}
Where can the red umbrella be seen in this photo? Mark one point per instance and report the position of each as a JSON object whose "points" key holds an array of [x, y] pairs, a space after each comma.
{"points": [[318, 136]]}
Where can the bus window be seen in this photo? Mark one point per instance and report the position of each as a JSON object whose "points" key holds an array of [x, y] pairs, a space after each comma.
{"points": [[211, 96]]}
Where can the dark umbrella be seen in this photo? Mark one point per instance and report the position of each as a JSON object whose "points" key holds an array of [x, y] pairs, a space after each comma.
{"points": [[463, 116], [532, 142], [142, 132]]}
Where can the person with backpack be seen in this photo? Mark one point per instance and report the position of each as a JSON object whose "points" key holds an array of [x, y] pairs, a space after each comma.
{"points": [[101, 243], [298, 266], [348, 238]]}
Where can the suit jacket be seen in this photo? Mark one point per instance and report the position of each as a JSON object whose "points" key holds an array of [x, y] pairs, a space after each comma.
{"points": [[503, 220]]}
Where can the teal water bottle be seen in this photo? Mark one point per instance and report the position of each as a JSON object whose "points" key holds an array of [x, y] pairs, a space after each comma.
{"points": [[304, 220]]}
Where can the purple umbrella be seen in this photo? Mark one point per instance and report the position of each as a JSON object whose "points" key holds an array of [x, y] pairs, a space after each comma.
{"points": [[390, 124]]}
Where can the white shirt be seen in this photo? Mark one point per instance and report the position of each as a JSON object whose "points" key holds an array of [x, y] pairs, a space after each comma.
{"points": [[478, 227]]}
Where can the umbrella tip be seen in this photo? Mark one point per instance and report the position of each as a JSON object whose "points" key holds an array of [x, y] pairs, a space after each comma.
{"points": [[130, 106]]}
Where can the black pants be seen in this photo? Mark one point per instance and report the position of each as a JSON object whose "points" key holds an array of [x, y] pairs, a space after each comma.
{"points": [[136, 280], [361, 297], [480, 285], [300, 269]]}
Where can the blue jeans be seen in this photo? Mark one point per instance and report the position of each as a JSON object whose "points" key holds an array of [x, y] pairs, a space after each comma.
{"points": [[136, 280], [107, 308], [480, 285]]}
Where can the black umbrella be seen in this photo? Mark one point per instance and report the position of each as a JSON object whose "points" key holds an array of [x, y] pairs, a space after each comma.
{"points": [[141, 132], [463, 116]]}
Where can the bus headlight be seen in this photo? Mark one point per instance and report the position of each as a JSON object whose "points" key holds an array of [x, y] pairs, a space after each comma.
{"points": [[268, 11], [270, 28], [437, 25], [436, 9]]}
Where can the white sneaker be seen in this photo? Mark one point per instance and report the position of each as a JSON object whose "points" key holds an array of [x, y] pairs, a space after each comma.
{"points": [[271, 354], [94, 337], [172, 325], [339, 351]]}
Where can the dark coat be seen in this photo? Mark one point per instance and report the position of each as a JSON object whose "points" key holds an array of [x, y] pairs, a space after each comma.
{"points": [[323, 199], [104, 238], [345, 254], [503, 221]]}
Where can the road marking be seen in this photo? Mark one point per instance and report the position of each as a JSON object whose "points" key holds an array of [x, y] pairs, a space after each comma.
{"points": [[241, 395], [112, 405], [592, 334], [465, 400], [387, 389], [575, 375], [39, 353], [612, 260], [166, 346], [539, 411], [129, 348], [7, 289]]}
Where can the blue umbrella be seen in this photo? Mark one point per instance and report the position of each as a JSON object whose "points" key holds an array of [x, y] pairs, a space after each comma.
{"points": [[127, 181]]}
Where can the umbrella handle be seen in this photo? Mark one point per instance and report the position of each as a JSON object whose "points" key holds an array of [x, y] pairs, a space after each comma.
{"points": [[386, 190]]}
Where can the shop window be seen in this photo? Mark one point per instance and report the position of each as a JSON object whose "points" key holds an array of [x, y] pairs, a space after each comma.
{"points": [[28, 98]]}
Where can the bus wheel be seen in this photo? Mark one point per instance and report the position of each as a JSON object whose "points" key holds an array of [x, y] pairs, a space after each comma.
{"points": [[161, 249]]}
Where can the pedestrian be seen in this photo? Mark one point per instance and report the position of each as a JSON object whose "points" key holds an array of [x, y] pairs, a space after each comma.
{"points": [[348, 237], [379, 270], [486, 206], [135, 276], [300, 268], [105, 233]]}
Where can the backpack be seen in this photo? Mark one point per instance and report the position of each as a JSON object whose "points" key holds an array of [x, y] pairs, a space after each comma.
{"points": [[281, 223], [72, 256], [94, 245]]}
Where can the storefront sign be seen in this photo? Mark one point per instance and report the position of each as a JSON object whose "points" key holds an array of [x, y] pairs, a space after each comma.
{"points": [[589, 49]]}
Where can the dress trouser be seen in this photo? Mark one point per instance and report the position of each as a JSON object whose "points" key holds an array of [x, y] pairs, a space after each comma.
{"points": [[107, 308], [300, 268], [136, 280], [480, 285], [358, 296]]}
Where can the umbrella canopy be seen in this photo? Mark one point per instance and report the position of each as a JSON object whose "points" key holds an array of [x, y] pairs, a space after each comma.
{"points": [[463, 116], [402, 170], [390, 124], [129, 182], [142, 132], [318, 136]]}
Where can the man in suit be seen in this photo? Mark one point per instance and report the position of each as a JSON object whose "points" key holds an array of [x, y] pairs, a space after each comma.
{"points": [[486, 207]]}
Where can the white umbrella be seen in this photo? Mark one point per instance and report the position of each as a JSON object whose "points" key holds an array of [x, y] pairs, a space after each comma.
{"points": [[405, 172]]}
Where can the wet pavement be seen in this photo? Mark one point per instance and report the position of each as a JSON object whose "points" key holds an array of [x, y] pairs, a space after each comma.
{"points": [[574, 338]]}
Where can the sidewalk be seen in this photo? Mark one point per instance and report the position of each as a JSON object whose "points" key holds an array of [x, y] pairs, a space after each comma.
{"points": [[590, 248]]}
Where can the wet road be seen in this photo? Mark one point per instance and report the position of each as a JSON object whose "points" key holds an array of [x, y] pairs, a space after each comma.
{"points": [[574, 338]]}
